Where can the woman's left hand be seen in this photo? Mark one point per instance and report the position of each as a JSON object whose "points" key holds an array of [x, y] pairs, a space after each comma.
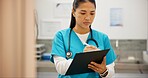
{"points": [[100, 68]]}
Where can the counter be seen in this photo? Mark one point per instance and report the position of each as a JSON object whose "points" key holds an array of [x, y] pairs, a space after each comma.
{"points": [[47, 66]]}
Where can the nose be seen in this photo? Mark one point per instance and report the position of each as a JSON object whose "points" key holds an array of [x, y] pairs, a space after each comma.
{"points": [[87, 17]]}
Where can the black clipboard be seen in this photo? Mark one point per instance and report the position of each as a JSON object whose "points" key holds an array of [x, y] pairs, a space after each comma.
{"points": [[80, 62]]}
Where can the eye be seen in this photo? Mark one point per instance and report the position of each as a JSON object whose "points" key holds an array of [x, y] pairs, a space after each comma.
{"points": [[83, 13], [92, 13]]}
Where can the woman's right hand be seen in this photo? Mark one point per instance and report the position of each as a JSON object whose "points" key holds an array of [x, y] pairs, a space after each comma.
{"points": [[90, 48]]}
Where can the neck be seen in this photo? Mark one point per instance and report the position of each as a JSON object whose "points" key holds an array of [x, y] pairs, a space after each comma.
{"points": [[80, 30]]}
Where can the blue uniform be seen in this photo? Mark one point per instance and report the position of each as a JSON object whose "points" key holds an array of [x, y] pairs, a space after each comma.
{"points": [[60, 48]]}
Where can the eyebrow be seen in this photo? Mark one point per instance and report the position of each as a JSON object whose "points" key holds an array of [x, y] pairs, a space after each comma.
{"points": [[86, 11]]}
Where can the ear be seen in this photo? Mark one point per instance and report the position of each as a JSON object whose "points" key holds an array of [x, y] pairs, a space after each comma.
{"points": [[73, 12]]}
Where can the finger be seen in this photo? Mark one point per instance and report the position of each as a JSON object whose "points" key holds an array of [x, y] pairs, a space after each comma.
{"points": [[104, 61], [95, 64], [94, 47], [88, 47], [93, 68]]}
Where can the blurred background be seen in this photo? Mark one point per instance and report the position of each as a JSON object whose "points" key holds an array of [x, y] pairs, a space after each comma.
{"points": [[27, 29]]}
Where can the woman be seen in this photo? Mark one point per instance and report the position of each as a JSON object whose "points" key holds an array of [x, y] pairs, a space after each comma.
{"points": [[81, 38]]}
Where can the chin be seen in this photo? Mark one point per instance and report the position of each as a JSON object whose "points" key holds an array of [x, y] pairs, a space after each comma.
{"points": [[86, 27]]}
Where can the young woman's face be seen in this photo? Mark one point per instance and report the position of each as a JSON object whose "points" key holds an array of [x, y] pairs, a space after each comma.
{"points": [[85, 14]]}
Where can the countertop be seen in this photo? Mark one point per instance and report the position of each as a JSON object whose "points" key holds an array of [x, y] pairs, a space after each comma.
{"points": [[47, 66]]}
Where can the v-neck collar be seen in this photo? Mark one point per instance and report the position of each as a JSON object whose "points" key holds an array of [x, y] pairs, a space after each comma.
{"points": [[77, 38]]}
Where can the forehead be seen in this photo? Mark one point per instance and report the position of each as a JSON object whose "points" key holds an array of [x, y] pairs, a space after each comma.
{"points": [[86, 6]]}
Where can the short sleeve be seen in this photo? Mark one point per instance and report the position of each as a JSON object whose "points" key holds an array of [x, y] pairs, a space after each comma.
{"points": [[111, 56], [58, 46]]}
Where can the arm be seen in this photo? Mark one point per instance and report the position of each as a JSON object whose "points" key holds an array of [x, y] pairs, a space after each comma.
{"points": [[61, 64], [111, 70], [111, 56]]}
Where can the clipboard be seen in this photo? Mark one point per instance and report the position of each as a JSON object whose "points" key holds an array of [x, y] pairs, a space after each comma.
{"points": [[80, 62]]}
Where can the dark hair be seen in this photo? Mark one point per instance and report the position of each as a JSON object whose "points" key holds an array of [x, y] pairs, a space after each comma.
{"points": [[76, 4]]}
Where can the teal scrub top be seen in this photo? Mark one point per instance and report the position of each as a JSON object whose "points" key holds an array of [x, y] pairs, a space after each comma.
{"points": [[60, 47]]}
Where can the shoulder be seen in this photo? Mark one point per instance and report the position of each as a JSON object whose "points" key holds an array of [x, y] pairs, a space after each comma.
{"points": [[99, 33], [63, 32]]}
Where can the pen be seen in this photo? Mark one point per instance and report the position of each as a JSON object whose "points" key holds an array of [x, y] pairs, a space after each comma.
{"points": [[86, 44], [89, 45]]}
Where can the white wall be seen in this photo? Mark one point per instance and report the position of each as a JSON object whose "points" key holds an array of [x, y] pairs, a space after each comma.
{"points": [[135, 17]]}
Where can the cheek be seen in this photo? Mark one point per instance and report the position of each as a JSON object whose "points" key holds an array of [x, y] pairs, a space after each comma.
{"points": [[93, 17], [79, 18]]}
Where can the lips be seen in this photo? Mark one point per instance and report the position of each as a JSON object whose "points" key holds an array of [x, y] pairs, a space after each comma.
{"points": [[86, 23]]}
